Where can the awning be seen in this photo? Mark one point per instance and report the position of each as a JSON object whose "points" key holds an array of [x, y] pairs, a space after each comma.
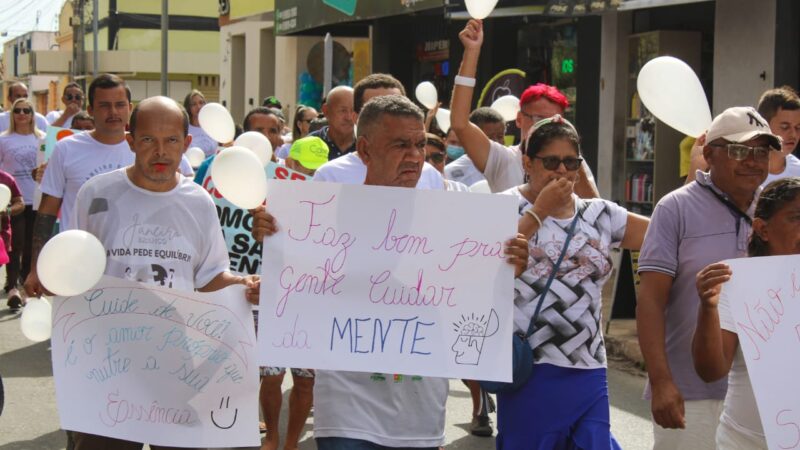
{"points": [[293, 16], [573, 8]]}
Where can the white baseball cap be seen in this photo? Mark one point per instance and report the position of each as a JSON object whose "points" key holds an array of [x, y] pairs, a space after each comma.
{"points": [[741, 124]]}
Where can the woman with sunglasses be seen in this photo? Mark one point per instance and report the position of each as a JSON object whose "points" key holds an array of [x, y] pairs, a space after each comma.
{"points": [[193, 103], [564, 403], [303, 116], [715, 347], [19, 146]]}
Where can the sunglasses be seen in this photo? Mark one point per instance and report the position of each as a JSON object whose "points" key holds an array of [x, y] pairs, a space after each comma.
{"points": [[70, 97], [740, 152], [22, 110], [436, 157], [552, 162]]}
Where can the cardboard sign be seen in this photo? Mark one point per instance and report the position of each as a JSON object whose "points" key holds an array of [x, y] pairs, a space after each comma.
{"points": [[393, 280], [156, 365], [764, 298]]}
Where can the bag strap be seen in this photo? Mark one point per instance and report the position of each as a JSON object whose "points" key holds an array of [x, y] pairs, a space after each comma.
{"points": [[544, 292]]}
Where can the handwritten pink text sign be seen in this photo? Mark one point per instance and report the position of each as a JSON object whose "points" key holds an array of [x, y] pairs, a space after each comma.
{"points": [[157, 365], [392, 280], [764, 298]]}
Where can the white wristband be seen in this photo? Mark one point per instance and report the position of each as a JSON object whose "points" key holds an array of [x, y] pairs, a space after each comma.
{"points": [[465, 81]]}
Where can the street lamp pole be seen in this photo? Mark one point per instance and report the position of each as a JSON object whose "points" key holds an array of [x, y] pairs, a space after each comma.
{"points": [[164, 46]]}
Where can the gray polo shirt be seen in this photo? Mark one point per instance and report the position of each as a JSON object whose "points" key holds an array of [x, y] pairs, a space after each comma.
{"points": [[690, 228]]}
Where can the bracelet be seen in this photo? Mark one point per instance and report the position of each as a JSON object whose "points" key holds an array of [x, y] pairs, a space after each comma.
{"points": [[464, 81], [533, 214]]}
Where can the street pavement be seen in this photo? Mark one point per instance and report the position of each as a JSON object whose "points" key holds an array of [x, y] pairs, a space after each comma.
{"points": [[29, 420]]}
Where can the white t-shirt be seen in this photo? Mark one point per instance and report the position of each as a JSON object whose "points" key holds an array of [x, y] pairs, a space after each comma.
{"points": [[455, 186], [504, 167], [568, 329], [41, 122], [18, 157], [52, 116], [75, 160], [349, 169], [463, 171], [171, 239], [389, 410], [740, 411], [792, 169], [203, 141], [283, 151]]}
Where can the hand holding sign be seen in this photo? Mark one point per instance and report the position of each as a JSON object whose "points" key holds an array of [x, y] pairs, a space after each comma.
{"points": [[217, 122], [57, 265], [670, 89], [239, 176]]}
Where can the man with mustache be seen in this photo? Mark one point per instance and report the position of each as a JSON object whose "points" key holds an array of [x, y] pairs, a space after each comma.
{"points": [[80, 157], [705, 221]]}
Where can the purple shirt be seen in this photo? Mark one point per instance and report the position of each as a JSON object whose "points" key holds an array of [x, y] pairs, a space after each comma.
{"points": [[5, 227], [690, 229]]}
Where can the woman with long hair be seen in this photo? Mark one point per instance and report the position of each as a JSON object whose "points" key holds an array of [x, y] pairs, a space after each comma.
{"points": [[303, 116], [19, 146], [193, 103], [715, 347]]}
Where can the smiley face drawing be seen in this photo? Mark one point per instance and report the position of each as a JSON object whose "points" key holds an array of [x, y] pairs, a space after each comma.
{"points": [[471, 333]]}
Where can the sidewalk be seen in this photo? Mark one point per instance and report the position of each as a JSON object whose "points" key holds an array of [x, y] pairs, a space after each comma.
{"points": [[622, 341]]}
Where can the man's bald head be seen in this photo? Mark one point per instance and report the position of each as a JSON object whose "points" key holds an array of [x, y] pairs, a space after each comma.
{"points": [[161, 106], [340, 95]]}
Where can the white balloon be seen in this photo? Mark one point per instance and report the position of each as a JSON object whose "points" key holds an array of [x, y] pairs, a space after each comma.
{"points": [[239, 176], [507, 106], [71, 263], [36, 322], [426, 94], [481, 187], [670, 89], [443, 119], [480, 9], [196, 156], [5, 196], [217, 122], [257, 143]]}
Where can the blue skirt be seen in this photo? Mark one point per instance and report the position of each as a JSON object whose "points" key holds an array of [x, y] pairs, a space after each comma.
{"points": [[558, 408]]}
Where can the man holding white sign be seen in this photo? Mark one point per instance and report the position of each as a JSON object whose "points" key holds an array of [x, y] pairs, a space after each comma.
{"points": [[158, 228], [359, 410]]}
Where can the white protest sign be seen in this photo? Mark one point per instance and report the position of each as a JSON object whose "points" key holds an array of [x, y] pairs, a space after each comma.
{"points": [[392, 280], [764, 297], [157, 365]]}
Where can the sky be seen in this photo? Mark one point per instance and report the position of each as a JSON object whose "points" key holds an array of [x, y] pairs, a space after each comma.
{"points": [[18, 17]]}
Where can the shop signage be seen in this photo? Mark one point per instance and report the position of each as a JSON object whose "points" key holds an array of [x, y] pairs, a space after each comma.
{"points": [[293, 16]]}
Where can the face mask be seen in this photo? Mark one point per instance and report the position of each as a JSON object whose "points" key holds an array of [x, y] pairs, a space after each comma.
{"points": [[454, 151]]}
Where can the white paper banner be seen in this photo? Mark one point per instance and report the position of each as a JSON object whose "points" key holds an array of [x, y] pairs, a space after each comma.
{"points": [[764, 295], [391, 280], [156, 365]]}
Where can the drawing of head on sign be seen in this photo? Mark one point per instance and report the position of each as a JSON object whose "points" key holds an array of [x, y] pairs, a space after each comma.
{"points": [[471, 332]]}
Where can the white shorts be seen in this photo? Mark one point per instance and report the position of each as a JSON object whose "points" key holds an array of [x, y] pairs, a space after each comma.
{"points": [[729, 438], [702, 418]]}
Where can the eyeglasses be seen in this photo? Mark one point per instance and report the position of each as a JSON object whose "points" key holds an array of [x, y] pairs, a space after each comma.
{"points": [[552, 162], [70, 97], [436, 157], [740, 152], [533, 117], [22, 110]]}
